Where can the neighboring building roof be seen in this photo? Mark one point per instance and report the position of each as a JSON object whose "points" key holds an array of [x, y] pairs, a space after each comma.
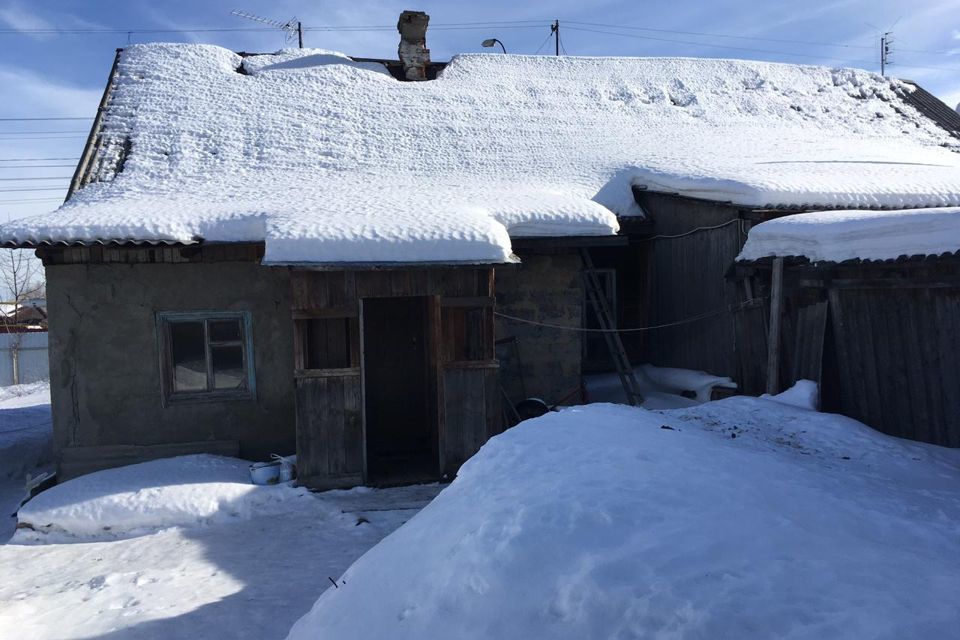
{"points": [[329, 160], [838, 236]]}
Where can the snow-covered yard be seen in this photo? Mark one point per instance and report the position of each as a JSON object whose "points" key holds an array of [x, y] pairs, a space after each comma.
{"points": [[184, 548], [26, 444], [743, 518]]}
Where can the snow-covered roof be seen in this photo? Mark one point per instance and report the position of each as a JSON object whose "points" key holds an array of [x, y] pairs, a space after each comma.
{"points": [[836, 236], [331, 160]]}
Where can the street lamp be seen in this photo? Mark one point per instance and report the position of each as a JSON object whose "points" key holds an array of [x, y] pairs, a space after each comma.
{"points": [[492, 41]]}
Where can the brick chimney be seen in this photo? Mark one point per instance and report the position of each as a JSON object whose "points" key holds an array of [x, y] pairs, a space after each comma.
{"points": [[413, 44]]}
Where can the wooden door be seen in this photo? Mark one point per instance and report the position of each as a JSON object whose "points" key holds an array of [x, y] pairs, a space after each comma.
{"points": [[471, 396], [329, 410]]}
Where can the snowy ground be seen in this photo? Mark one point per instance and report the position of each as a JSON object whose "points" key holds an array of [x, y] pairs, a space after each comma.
{"points": [[243, 562], [26, 439], [742, 518]]}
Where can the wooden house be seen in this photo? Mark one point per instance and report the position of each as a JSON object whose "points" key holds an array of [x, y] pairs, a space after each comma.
{"points": [[308, 252]]}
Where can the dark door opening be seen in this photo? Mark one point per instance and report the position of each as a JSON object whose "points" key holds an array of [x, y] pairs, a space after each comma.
{"points": [[401, 429]]}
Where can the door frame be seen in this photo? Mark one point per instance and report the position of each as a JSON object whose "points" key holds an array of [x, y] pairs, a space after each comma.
{"points": [[432, 335]]}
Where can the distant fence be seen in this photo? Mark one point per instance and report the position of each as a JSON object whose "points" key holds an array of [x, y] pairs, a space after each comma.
{"points": [[23, 358]]}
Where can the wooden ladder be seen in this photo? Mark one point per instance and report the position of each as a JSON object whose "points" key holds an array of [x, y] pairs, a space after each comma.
{"points": [[601, 307]]}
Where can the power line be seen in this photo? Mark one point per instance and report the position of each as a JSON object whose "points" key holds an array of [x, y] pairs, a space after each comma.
{"points": [[752, 50], [723, 35], [25, 200], [448, 25], [36, 166], [24, 133], [34, 159], [36, 178], [35, 119], [545, 41], [33, 189], [73, 137], [718, 46]]}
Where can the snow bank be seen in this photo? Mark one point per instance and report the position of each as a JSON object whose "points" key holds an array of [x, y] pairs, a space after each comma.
{"points": [[742, 518], [181, 491], [804, 394], [845, 235], [329, 160]]}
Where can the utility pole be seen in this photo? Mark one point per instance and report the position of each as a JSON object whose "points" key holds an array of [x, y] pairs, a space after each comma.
{"points": [[555, 30], [886, 49], [300, 33]]}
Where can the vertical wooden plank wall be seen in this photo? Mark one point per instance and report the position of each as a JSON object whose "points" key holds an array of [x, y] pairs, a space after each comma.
{"points": [[330, 431], [882, 340], [897, 353], [687, 278]]}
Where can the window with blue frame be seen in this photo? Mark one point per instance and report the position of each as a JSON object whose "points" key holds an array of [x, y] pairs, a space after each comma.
{"points": [[206, 355]]}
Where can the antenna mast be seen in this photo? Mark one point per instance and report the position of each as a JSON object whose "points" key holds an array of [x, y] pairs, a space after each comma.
{"points": [[886, 51], [290, 27]]}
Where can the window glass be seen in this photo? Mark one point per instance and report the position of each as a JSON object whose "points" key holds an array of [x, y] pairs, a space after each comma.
{"points": [[227, 367], [225, 331], [188, 355]]}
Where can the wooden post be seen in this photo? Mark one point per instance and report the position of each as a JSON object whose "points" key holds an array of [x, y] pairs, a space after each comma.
{"points": [[773, 337]]}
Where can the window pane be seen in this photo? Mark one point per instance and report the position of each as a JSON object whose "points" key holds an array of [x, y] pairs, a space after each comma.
{"points": [[188, 355], [227, 367], [225, 331]]}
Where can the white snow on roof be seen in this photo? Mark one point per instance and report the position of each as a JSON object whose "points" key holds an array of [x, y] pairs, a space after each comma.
{"points": [[331, 160], [845, 235]]}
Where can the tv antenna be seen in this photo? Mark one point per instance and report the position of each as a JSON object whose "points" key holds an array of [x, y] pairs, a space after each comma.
{"points": [[290, 27], [886, 51]]}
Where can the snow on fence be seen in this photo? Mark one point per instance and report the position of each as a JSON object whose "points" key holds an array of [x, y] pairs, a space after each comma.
{"points": [[23, 358]]}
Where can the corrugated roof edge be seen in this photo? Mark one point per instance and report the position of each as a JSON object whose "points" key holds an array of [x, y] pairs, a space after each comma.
{"points": [[933, 108], [793, 208], [36, 244], [803, 260]]}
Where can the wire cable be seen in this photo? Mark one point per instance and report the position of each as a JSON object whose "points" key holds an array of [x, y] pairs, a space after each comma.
{"points": [[34, 159], [45, 119], [717, 46], [542, 44], [26, 200], [722, 35], [36, 166], [36, 178], [33, 189], [687, 320]]}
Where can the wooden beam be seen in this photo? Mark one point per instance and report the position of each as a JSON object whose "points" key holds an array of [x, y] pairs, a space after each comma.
{"points": [[773, 338], [345, 372], [468, 302], [322, 314]]}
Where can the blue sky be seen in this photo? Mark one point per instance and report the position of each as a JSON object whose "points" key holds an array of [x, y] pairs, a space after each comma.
{"points": [[45, 73]]}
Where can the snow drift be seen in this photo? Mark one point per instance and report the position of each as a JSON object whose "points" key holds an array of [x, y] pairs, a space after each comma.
{"points": [[330, 160], [743, 518], [181, 491]]}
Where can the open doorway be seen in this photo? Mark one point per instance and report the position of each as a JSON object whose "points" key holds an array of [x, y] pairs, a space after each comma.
{"points": [[400, 410]]}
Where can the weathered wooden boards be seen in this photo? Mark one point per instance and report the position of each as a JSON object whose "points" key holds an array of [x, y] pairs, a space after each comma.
{"points": [[462, 387]]}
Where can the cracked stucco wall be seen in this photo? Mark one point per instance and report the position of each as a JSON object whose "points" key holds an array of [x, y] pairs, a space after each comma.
{"points": [[104, 360]]}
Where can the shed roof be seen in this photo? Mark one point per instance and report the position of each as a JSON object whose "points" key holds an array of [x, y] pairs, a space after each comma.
{"points": [[332, 160], [839, 236]]}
